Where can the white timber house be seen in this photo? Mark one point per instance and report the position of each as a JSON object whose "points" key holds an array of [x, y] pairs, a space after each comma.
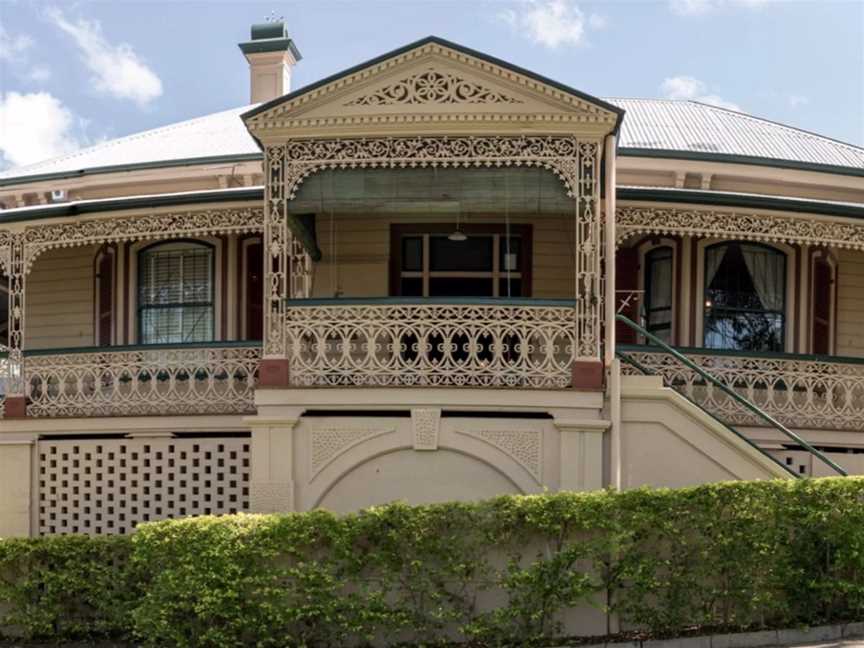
{"points": [[433, 276]]}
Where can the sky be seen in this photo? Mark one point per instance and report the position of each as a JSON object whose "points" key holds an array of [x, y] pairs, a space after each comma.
{"points": [[74, 73]]}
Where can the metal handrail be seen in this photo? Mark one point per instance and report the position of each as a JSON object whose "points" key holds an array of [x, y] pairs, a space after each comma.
{"points": [[757, 355], [777, 425]]}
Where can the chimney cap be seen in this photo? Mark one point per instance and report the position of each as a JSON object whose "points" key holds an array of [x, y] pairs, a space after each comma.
{"points": [[270, 37]]}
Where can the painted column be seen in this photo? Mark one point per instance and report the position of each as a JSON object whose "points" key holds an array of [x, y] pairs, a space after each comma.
{"points": [[278, 244], [584, 182], [15, 406]]}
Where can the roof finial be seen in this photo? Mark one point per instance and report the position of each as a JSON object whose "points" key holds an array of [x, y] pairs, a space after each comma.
{"points": [[273, 18]]}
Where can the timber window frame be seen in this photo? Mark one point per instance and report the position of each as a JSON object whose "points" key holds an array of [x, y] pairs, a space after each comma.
{"points": [[497, 272], [789, 301], [212, 302]]}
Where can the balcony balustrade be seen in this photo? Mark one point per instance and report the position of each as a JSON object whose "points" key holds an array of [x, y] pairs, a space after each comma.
{"points": [[211, 378], [800, 391], [515, 343]]}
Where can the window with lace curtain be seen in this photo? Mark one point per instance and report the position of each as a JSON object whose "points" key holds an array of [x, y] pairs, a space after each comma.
{"points": [[175, 293], [745, 297]]}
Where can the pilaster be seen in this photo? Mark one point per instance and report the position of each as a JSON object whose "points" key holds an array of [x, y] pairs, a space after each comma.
{"points": [[582, 453], [272, 479], [16, 486]]}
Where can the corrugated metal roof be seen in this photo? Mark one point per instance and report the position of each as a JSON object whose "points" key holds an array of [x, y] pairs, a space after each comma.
{"points": [[652, 125], [216, 135], [674, 125]]}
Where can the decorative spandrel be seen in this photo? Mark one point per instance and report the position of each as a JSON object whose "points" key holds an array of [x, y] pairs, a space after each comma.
{"points": [[433, 87]]}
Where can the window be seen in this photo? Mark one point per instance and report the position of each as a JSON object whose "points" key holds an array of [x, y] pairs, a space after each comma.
{"points": [[745, 297], [486, 264], [658, 292], [175, 293]]}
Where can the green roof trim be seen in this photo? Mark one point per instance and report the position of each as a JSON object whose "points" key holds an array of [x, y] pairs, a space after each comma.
{"points": [[444, 43], [134, 166], [732, 158], [713, 198], [270, 45], [116, 204]]}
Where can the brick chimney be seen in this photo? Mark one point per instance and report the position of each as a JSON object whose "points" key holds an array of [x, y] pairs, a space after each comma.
{"points": [[271, 55]]}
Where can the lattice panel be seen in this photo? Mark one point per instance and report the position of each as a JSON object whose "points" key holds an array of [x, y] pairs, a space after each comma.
{"points": [[108, 486]]}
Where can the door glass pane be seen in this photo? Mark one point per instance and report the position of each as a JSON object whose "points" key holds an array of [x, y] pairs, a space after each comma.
{"points": [[511, 288], [510, 254], [473, 254], [460, 287], [412, 287], [412, 253]]}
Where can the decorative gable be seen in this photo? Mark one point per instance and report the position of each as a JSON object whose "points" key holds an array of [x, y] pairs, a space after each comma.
{"points": [[433, 87]]}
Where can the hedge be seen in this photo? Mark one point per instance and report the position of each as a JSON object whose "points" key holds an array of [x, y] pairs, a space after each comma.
{"points": [[511, 570]]}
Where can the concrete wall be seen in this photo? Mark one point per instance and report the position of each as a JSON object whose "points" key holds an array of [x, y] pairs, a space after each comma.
{"points": [[668, 441]]}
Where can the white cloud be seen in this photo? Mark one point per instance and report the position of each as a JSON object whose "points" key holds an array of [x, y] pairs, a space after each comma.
{"points": [[798, 100], [685, 87], [598, 21], [697, 7], [552, 23], [117, 70], [12, 47], [34, 127], [39, 73]]}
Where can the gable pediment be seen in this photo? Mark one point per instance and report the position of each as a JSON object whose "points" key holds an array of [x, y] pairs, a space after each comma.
{"points": [[431, 87]]}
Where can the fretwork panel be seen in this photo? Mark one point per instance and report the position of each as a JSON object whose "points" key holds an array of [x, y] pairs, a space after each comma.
{"points": [[108, 486]]}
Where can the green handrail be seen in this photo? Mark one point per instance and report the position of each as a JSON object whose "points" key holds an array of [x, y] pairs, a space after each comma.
{"points": [[777, 425]]}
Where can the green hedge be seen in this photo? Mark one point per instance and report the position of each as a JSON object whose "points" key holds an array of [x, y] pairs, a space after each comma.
{"points": [[724, 556]]}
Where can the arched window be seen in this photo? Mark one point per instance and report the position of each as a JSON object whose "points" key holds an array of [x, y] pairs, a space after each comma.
{"points": [[745, 297], [175, 293], [658, 292]]}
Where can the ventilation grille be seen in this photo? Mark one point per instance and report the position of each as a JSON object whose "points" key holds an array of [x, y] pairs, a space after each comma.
{"points": [[108, 486]]}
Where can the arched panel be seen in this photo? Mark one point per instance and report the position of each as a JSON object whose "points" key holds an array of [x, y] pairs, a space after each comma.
{"points": [[416, 478]]}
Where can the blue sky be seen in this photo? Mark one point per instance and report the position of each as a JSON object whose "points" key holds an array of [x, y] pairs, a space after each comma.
{"points": [[74, 73]]}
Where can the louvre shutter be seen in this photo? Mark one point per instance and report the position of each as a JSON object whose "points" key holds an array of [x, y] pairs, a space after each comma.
{"points": [[822, 281], [254, 292], [626, 278], [105, 278]]}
